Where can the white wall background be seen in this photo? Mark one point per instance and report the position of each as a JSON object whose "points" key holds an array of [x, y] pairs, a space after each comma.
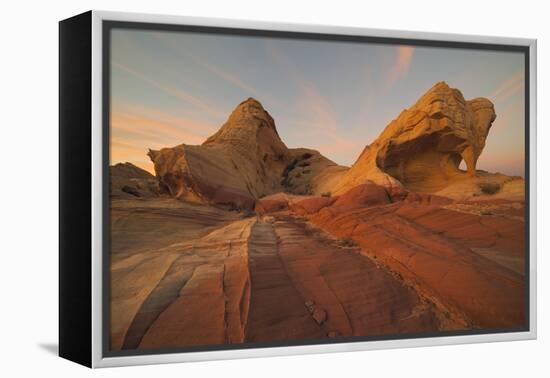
{"points": [[28, 189]]}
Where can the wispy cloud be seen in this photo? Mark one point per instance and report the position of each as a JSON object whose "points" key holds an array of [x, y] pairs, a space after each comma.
{"points": [[510, 87], [166, 133], [336, 145], [174, 120], [122, 152], [135, 129], [213, 68], [227, 76], [346, 149], [317, 108], [175, 92], [310, 103], [222, 73], [401, 64], [314, 123]]}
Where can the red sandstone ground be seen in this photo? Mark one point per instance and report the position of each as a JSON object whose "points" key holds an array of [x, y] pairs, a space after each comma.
{"points": [[253, 279], [355, 265]]}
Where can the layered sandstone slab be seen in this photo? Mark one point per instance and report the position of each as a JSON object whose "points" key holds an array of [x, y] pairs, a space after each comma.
{"points": [[363, 264], [148, 238], [240, 280]]}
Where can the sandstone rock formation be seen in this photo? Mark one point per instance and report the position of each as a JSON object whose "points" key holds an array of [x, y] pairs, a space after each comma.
{"points": [[129, 181], [404, 241], [421, 150], [244, 160]]}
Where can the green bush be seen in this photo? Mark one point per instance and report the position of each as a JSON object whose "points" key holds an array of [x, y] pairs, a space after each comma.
{"points": [[489, 188]]}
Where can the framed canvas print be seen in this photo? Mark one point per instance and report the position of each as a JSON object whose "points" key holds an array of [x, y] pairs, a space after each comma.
{"points": [[233, 189]]}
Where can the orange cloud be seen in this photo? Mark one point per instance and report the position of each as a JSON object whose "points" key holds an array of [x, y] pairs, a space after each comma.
{"points": [[149, 127], [401, 65], [175, 122], [122, 152], [135, 129]]}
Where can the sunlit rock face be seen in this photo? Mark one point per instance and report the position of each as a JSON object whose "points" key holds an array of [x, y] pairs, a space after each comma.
{"points": [[423, 147], [420, 151], [244, 160]]}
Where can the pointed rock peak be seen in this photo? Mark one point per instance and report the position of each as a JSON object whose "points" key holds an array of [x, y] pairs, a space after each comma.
{"points": [[441, 91], [152, 154], [441, 85], [249, 107], [243, 124], [251, 101]]}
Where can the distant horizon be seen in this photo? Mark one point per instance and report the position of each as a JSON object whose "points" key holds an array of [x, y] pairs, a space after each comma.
{"points": [[334, 97]]}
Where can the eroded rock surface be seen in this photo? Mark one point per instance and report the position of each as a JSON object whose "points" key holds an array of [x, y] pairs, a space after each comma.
{"points": [[421, 150], [244, 160], [468, 263], [252, 280], [130, 181], [148, 236], [467, 258]]}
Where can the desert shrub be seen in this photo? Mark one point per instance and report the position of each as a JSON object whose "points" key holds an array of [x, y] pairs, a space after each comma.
{"points": [[285, 181], [347, 243], [325, 194], [131, 190], [489, 188], [485, 212], [247, 213]]}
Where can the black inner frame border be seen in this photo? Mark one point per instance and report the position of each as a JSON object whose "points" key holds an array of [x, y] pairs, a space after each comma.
{"points": [[109, 25]]}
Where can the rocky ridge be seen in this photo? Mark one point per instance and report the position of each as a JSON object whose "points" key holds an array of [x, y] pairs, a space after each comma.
{"points": [[245, 160], [420, 151], [130, 181]]}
